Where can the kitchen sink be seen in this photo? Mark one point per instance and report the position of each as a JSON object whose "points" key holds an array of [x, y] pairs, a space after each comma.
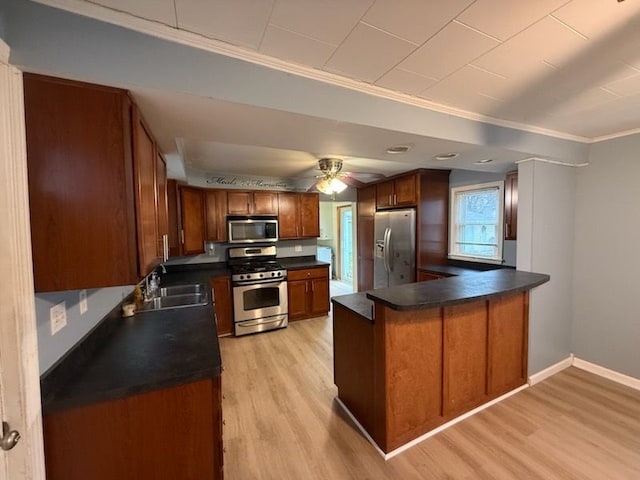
{"points": [[187, 289], [177, 296]]}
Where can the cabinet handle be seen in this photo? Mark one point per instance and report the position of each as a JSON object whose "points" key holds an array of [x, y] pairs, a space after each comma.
{"points": [[506, 230], [182, 236], [165, 247]]}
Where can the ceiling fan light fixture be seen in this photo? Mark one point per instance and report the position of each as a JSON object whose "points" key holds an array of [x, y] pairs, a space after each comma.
{"points": [[397, 149], [446, 156], [483, 161], [329, 185]]}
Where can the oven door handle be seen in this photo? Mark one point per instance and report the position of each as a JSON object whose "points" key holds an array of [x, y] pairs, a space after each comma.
{"points": [[259, 282], [281, 319]]}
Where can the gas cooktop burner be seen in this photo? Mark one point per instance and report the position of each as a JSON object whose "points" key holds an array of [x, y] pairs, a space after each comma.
{"points": [[254, 267]]}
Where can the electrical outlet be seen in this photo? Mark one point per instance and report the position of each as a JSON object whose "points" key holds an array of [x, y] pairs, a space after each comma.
{"points": [[297, 248], [84, 306], [58, 316]]}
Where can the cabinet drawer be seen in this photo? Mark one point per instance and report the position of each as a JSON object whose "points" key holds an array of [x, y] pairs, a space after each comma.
{"points": [[306, 273]]}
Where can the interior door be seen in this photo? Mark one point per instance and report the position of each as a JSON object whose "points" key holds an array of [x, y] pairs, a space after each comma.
{"points": [[345, 238], [19, 377]]}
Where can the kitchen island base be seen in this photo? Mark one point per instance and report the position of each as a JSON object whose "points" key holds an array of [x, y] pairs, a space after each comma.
{"points": [[403, 372]]}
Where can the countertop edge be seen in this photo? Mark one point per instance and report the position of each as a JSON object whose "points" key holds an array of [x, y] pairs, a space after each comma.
{"points": [[437, 301]]}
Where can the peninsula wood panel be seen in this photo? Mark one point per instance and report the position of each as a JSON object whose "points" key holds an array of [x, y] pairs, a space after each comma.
{"points": [[508, 334], [354, 363], [409, 386], [465, 356], [166, 434]]}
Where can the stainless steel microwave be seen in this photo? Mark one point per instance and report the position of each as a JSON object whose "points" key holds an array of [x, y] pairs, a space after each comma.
{"points": [[252, 229]]}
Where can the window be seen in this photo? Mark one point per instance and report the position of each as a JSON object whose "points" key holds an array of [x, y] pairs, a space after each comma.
{"points": [[476, 222]]}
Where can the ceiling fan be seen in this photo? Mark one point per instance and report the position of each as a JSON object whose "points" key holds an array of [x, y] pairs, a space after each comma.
{"points": [[333, 180]]}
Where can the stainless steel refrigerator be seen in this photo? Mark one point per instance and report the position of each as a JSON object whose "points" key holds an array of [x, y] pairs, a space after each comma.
{"points": [[395, 248]]}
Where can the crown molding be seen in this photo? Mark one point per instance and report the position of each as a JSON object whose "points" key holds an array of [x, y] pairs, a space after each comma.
{"points": [[173, 34]]}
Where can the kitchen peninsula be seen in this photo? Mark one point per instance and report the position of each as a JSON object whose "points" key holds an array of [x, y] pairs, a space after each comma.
{"points": [[410, 358]]}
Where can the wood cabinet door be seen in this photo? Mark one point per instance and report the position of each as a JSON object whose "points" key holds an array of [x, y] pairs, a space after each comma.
{"points": [[288, 215], [319, 302], [223, 304], [405, 191], [297, 297], [135, 436], [309, 215], [193, 226], [81, 197], [216, 215], [144, 163], [162, 211], [384, 194], [366, 210], [511, 206], [238, 203], [265, 203]]}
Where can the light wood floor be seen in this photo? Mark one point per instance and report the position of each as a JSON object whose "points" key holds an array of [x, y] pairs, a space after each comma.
{"points": [[282, 423]]}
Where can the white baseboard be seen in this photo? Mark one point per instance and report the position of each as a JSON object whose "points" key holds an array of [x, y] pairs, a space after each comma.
{"points": [[430, 433], [606, 373], [550, 371]]}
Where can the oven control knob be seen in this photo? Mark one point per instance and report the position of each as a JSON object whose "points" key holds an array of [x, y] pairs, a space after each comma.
{"points": [[261, 275]]}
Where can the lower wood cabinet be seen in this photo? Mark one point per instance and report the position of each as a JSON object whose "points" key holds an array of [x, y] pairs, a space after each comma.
{"points": [[223, 304], [308, 292], [167, 434]]}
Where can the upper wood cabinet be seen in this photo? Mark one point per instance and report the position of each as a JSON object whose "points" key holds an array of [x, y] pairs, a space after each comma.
{"points": [[81, 187], [298, 215], [511, 206], [192, 216], [151, 197], [252, 203], [399, 192], [216, 215]]}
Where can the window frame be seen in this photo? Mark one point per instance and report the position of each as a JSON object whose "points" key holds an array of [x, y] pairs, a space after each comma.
{"points": [[453, 230]]}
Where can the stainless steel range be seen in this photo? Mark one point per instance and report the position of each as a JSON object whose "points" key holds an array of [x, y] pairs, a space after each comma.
{"points": [[259, 289]]}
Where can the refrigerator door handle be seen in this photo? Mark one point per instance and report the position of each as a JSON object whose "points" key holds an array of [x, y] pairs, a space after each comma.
{"points": [[387, 241]]}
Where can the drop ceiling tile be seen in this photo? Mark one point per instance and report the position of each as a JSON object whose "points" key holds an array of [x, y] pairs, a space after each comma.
{"points": [[468, 89], [328, 20], [405, 82], [414, 20], [239, 23], [626, 86], [368, 53], [293, 47], [594, 18], [547, 40], [157, 10], [451, 48], [504, 18], [585, 100]]}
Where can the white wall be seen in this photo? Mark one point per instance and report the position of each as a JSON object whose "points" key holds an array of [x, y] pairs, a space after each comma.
{"points": [[546, 196], [606, 322]]}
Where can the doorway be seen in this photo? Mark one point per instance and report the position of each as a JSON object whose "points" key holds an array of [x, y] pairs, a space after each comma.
{"points": [[345, 257]]}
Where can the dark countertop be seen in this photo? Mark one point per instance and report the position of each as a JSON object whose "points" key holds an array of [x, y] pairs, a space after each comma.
{"points": [[358, 303], [149, 351], [455, 290], [450, 270], [298, 263]]}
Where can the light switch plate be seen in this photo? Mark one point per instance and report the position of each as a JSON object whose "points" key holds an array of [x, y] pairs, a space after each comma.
{"points": [[58, 316], [84, 306]]}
